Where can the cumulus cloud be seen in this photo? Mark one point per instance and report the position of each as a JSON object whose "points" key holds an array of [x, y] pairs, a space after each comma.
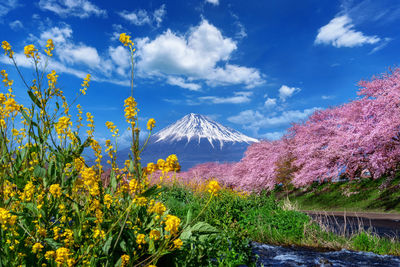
{"points": [[237, 98], [270, 102], [16, 25], [75, 8], [214, 2], [340, 32], [141, 17], [178, 81], [201, 54], [120, 57], [286, 92], [75, 58]]}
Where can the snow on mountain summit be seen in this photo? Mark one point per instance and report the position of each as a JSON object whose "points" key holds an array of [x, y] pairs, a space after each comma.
{"points": [[195, 127]]}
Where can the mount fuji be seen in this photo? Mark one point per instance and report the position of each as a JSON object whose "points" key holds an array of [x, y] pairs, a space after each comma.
{"points": [[195, 139]]}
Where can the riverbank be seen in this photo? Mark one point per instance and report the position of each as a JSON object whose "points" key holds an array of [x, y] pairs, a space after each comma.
{"points": [[239, 220], [361, 196]]}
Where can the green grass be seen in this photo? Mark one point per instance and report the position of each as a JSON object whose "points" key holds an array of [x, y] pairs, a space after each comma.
{"points": [[230, 222], [363, 195]]}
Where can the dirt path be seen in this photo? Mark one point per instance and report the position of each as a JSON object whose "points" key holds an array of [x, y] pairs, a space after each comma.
{"points": [[367, 215]]}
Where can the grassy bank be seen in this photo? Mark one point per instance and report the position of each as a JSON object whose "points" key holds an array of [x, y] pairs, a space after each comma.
{"points": [[237, 220], [366, 195]]}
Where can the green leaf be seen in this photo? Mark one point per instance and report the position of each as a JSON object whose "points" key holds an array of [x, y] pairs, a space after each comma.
{"points": [[34, 99], [52, 243], [39, 172], [122, 244], [107, 244], [131, 167], [113, 180], [186, 234], [204, 228], [118, 263], [189, 216]]}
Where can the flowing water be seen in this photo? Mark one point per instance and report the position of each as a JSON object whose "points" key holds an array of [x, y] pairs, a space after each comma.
{"points": [[278, 256], [297, 256]]}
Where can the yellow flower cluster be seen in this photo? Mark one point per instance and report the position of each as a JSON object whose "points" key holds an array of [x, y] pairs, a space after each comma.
{"points": [[154, 234], [7, 49], [172, 223], [6, 219], [50, 47], [85, 84], [125, 39], [178, 243], [124, 260], [140, 240], [63, 256], [37, 247], [52, 80], [55, 190], [213, 187], [130, 109], [6, 81], [151, 124], [30, 50], [62, 125], [113, 129]]}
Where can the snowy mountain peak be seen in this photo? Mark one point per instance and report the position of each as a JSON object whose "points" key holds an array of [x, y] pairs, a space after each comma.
{"points": [[196, 127]]}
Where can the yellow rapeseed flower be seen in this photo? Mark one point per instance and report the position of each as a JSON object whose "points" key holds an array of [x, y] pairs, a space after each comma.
{"points": [[130, 109], [50, 47], [62, 255], [37, 247], [178, 243], [124, 260], [140, 239], [172, 223], [213, 187], [125, 39], [29, 50], [55, 190], [154, 234], [7, 49], [151, 124]]}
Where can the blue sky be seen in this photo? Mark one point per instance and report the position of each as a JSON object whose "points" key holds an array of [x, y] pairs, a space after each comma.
{"points": [[255, 66]]}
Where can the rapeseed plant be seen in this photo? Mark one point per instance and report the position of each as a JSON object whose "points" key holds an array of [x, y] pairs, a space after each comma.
{"points": [[54, 208]]}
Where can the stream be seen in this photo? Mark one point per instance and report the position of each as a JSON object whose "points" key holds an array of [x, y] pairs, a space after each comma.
{"points": [[298, 256]]}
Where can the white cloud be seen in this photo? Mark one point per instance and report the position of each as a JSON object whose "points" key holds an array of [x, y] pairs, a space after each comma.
{"points": [[270, 102], [246, 117], [15, 25], [178, 81], [326, 97], [254, 120], [340, 32], [214, 2], [198, 55], [7, 5], [138, 18], [237, 98], [68, 51], [142, 17], [68, 57], [382, 44], [159, 14], [120, 57], [272, 135], [286, 92], [75, 8]]}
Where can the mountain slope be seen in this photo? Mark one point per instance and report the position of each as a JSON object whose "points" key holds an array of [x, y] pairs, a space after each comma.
{"points": [[195, 139]]}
